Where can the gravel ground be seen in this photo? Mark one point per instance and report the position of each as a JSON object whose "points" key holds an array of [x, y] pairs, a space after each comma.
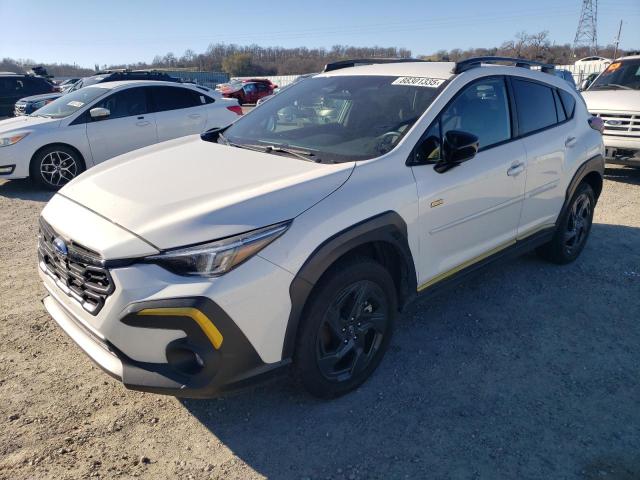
{"points": [[528, 371]]}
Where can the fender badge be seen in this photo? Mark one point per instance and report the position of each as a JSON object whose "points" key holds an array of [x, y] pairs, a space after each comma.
{"points": [[437, 203]]}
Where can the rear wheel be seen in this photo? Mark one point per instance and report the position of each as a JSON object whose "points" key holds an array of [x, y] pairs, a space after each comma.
{"points": [[54, 166], [347, 328], [573, 228]]}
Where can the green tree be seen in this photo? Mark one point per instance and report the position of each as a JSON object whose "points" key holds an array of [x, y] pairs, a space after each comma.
{"points": [[238, 64]]}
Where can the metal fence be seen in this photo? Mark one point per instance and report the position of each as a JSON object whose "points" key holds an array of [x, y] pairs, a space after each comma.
{"points": [[581, 72], [280, 80], [207, 79]]}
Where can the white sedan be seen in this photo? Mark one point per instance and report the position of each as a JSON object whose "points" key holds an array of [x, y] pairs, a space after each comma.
{"points": [[83, 128]]}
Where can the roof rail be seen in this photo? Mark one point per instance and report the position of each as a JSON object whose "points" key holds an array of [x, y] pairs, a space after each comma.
{"points": [[469, 63], [366, 61]]}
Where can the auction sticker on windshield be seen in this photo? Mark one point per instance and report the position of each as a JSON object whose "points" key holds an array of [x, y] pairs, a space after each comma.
{"points": [[75, 103], [419, 81]]}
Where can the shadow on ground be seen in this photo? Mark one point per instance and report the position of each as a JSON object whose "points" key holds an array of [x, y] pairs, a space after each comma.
{"points": [[529, 370], [623, 174], [25, 190]]}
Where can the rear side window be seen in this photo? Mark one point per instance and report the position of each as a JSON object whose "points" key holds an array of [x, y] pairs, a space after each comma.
{"points": [[535, 105], [568, 102], [174, 98]]}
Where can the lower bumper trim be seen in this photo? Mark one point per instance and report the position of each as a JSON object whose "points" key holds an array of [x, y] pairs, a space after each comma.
{"points": [[98, 352]]}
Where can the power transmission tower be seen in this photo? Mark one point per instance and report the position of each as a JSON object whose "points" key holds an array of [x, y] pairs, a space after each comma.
{"points": [[587, 33]]}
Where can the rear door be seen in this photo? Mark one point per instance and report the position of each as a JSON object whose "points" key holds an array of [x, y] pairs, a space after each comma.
{"points": [[179, 111], [129, 126], [546, 132]]}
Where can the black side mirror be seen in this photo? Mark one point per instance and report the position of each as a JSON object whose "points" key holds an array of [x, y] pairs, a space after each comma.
{"points": [[457, 147]]}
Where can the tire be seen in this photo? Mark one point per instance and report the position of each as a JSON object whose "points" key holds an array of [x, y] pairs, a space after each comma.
{"points": [[54, 166], [346, 329], [573, 228]]}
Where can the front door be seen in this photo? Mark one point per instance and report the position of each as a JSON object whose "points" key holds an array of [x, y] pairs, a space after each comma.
{"points": [[470, 211], [128, 127]]}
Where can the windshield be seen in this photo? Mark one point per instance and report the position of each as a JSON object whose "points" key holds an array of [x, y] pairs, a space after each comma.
{"points": [[85, 82], [336, 118], [70, 103], [624, 75]]}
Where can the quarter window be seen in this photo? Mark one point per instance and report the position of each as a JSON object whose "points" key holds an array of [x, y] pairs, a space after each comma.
{"points": [[568, 102], [535, 105], [481, 109], [174, 98], [126, 103]]}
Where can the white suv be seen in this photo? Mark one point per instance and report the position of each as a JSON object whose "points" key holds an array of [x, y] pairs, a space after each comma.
{"points": [[297, 234], [90, 125], [615, 97]]}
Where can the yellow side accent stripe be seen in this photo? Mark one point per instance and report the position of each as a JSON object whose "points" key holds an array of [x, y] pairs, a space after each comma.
{"points": [[207, 326], [479, 258]]}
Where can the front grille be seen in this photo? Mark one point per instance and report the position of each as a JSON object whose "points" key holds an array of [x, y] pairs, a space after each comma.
{"points": [[79, 273], [624, 124]]}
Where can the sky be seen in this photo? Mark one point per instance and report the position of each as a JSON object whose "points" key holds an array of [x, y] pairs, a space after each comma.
{"points": [[109, 32]]}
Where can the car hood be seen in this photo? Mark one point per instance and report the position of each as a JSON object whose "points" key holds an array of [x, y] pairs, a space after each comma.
{"points": [[623, 100], [44, 96], [189, 191], [25, 123]]}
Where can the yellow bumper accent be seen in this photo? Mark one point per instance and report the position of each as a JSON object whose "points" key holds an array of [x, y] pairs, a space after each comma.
{"points": [[207, 326]]}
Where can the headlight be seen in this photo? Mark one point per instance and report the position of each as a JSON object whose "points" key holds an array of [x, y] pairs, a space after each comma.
{"points": [[6, 141], [216, 258], [40, 104]]}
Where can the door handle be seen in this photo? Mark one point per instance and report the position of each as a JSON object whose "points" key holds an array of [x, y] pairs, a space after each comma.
{"points": [[570, 142], [515, 169], [195, 115], [143, 123]]}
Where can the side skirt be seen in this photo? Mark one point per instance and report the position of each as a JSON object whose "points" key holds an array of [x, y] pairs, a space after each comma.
{"points": [[457, 275]]}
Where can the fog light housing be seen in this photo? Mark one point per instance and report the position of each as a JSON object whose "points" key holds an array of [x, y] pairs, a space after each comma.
{"points": [[7, 169]]}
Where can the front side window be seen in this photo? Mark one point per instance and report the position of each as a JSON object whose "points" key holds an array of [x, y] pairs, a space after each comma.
{"points": [[481, 109], [174, 98], [70, 103], [622, 75], [337, 118], [535, 105], [125, 103]]}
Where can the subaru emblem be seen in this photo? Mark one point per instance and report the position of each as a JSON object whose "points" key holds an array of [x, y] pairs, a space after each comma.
{"points": [[60, 246]]}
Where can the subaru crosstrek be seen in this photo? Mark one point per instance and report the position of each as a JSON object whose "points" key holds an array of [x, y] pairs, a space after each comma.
{"points": [[293, 237]]}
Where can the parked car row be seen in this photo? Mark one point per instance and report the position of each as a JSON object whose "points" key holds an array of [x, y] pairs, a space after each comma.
{"points": [[291, 239], [28, 105], [108, 118]]}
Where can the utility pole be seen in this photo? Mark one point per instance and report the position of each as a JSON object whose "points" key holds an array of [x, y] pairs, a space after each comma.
{"points": [[615, 50], [587, 33]]}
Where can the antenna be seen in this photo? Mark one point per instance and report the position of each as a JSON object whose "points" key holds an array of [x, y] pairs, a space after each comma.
{"points": [[587, 33], [615, 50]]}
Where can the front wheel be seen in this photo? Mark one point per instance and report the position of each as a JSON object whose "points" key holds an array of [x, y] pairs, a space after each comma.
{"points": [[54, 166], [346, 329], [573, 228]]}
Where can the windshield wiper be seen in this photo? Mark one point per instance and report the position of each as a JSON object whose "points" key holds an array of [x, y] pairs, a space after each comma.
{"points": [[302, 154]]}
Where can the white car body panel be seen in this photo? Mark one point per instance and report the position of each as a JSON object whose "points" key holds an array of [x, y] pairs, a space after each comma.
{"points": [[233, 191]]}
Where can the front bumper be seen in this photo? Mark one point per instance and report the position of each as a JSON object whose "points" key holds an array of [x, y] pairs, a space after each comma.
{"points": [[194, 368], [622, 150]]}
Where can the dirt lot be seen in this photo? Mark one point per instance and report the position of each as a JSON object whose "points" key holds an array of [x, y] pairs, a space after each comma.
{"points": [[528, 371]]}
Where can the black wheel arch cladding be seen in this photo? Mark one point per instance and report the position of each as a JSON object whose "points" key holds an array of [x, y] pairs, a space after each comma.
{"points": [[382, 232]]}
